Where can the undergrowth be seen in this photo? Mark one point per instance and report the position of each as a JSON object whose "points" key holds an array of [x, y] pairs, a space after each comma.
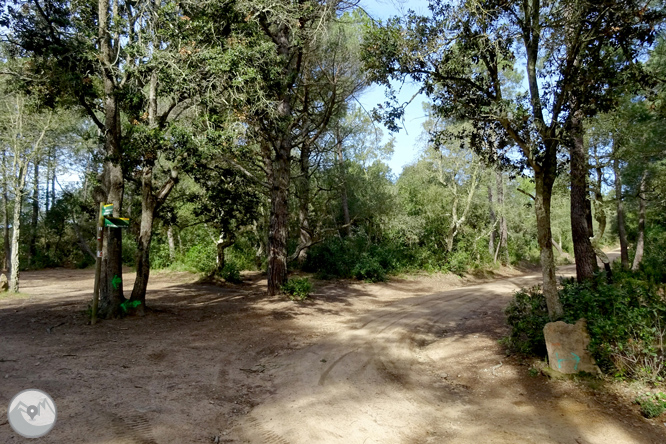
{"points": [[625, 320]]}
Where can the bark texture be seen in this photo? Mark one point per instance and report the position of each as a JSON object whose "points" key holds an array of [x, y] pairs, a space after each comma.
{"points": [[583, 251], [279, 216], [111, 285], [544, 190], [16, 233]]}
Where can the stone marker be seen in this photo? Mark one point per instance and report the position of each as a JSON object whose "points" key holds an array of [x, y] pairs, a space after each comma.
{"points": [[567, 347], [4, 283]]}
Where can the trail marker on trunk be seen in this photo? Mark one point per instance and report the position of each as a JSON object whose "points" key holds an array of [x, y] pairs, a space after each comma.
{"points": [[104, 220]]}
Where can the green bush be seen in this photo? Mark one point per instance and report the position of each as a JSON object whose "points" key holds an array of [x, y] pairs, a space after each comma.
{"points": [[231, 273], [369, 269], [527, 315], [624, 319], [201, 258], [298, 288], [652, 405]]}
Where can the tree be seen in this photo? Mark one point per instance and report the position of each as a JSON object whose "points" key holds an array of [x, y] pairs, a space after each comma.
{"points": [[106, 58], [462, 56], [24, 136]]}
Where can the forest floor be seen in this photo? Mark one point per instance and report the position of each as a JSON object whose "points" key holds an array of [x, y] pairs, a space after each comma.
{"points": [[412, 360]]}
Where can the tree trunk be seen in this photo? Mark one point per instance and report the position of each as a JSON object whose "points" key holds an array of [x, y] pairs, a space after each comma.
{"points": [[145, 238], [35, 216], [544, 188], [586, 262], [504, 230], [343, 187], [492, 220], [47, 196], [640, 241], [304, 207], [279, 217], [621, 230], [222, 244], [172, 244], [5, 218], [16, 232], [149, 204]]}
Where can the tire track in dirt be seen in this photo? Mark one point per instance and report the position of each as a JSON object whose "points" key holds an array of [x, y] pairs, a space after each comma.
{"points": [[382, 382], [373, 388]]}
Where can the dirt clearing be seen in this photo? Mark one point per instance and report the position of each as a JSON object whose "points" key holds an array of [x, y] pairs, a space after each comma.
{"points": [[408, 361]]}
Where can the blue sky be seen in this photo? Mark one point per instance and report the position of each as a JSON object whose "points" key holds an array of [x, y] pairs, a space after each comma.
{"points": [[407, 146]]}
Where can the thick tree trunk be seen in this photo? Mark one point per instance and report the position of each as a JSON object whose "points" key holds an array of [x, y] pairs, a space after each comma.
{"points": [[32, 251], [621, 230], [111, 284], [145, 238], [642, 206], [544, 188], [222, 244], [279, 217], [586, 262], [492, 220], [16, 233]]}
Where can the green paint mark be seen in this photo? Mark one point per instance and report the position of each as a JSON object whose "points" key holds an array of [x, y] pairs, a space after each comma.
{"points": [[116, 282], [129, 304], [116, 222]]}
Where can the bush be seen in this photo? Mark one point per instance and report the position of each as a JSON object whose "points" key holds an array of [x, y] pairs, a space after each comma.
{"points": [[369, 269], [652, 405], [624, 320], [527, 315], [297, 288], [201, 258], [231, 273]]}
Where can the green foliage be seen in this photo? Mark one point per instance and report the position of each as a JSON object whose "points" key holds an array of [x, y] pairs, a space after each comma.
{"points": [[624, 319], [652, 405], [653, 266], [298, 288], [369, 269], [201, 257], [231, 273], [527, 314]]}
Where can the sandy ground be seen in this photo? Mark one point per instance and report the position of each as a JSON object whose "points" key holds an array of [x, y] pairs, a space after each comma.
{"points": [[408, 361]]}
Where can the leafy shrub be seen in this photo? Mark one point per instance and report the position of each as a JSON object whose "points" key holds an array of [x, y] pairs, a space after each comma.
{"points": [[353, 257], [231, 273], [298, 288], [527, 315], [624, 320], [369, 269], [201, 258], [652, 405], [458, 262]]}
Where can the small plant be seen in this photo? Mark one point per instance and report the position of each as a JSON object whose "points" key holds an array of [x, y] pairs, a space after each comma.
{"points": [[297, 288], [534, 372], [652, 405]]}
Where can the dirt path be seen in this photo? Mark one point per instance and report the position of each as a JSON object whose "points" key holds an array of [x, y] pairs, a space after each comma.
{"points": [[408, 361]]}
